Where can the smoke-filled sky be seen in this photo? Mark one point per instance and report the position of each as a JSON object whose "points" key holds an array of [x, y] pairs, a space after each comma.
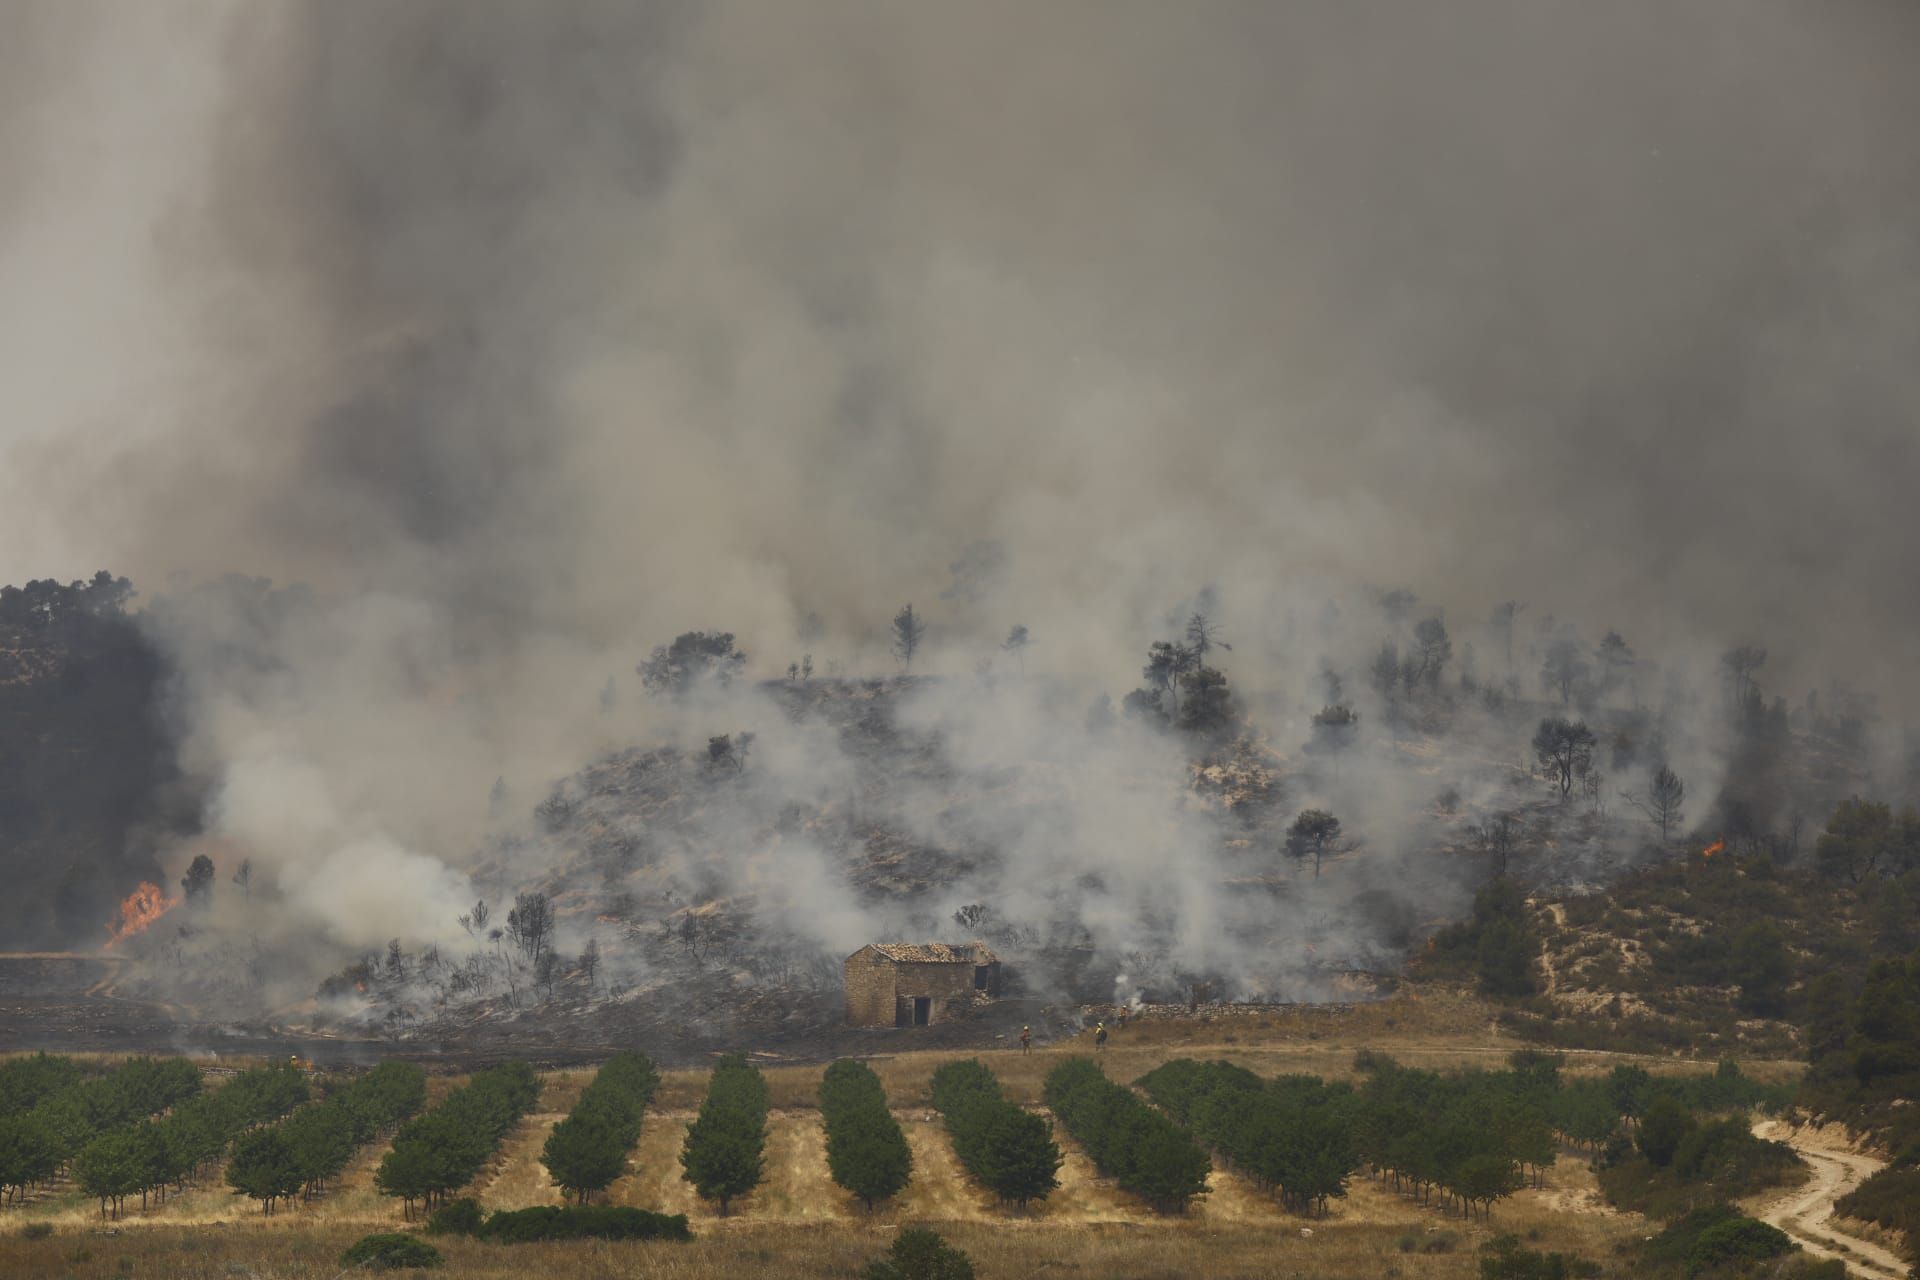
{"points": [[540, 332]]}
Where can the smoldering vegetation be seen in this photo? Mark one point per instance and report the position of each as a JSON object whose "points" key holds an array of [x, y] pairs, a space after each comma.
{"points": [[1185, 839], [527, 339]]}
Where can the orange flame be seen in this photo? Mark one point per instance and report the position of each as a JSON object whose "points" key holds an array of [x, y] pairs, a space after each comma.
{"points": [[137, 914], [1717, 846]]}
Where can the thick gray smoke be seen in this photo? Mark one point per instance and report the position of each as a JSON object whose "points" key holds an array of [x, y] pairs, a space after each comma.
{"points": [[529, 335]]}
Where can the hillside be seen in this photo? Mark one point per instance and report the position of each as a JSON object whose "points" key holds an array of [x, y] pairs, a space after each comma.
{"points": [[723, 882], [86, 760]]}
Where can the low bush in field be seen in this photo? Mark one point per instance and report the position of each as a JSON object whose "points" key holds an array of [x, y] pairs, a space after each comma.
{"points": [[1737, 1241], [919, 1254], [1503, 1258], [1673, 1244], [390, 1251], [461, 1217], [1719, 1240], [582, 1222], [1704, 1164]]}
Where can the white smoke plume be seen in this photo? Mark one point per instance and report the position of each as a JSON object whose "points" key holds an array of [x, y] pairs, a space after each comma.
{"points": [[528, 336]]}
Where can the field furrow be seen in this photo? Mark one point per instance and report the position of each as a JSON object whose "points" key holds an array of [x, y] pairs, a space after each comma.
{"points": [[517, 1179]]}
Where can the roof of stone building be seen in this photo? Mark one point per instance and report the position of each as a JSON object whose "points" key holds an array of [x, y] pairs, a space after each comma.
{"points": [[937, 952]]}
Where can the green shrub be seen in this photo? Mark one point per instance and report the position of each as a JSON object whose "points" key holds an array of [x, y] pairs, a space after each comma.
{"points": [[582, 1222], [390, 1251], [1727, 1154], [1736, 1240], [1890, 1197], [1675, 1243], [1505, 1259], [919, 1254], [1662, 1130], [460, 1217]]}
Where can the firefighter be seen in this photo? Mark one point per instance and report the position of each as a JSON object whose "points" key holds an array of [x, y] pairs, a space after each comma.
{"points": [[1026, 1040], [1100, 1035]]}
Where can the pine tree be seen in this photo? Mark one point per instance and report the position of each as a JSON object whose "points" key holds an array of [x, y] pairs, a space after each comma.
{"points": [[724, 1151], [264, 1167], [868, 1155], [866, 1151], [909, 629], [583, 1155]]}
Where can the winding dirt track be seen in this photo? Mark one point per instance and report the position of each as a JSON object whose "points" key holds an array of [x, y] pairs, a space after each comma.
{"points": [[1806, 1213]]}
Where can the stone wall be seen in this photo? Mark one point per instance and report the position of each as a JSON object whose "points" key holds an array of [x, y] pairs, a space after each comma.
{"points": [[876, 986], [869, 979], [944, 984]]}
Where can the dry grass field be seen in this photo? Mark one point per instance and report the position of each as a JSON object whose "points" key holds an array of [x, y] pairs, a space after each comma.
{"points": [[798, 1223]]}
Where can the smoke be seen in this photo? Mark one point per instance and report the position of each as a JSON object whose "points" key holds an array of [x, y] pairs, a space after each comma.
{"points": [[529, 336]]}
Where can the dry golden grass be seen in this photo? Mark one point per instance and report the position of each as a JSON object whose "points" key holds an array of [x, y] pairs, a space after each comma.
{"points": [[516, 1178], [1375, 1235], [798, 1187], [653, 1180], [940, 1190]]}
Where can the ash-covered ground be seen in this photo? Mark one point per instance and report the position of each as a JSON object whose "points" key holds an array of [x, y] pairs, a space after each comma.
{"points": [[700, 895]]}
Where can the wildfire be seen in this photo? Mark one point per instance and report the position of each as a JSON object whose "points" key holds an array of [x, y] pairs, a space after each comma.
{"points": [[137, 914], [1718, 846]]}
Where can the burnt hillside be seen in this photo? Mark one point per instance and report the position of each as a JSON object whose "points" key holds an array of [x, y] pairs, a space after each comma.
{"points": [[84, 759]]}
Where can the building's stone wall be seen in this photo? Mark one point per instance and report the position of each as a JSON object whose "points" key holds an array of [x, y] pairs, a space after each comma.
{"points": [[870, 992], [877, 986], [944, 984]]}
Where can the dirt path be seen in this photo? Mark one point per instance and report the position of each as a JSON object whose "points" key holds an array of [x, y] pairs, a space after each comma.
{"points": [[1806, 1212]]}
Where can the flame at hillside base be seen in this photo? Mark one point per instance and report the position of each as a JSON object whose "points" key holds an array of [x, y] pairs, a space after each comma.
{"points": [[1718, 846], [142, 907]]}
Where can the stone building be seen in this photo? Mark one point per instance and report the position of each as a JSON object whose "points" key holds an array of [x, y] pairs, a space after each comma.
{"points": [[916, 984]]}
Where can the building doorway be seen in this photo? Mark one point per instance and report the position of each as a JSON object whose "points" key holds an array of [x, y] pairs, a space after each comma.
{"points": [[922, 1010]]}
